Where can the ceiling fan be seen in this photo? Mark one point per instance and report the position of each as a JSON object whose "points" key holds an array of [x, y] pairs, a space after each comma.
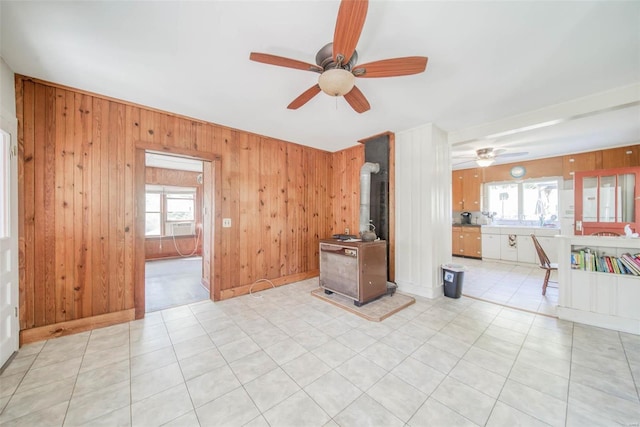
{"points": [[336, 61], [486, 156]]}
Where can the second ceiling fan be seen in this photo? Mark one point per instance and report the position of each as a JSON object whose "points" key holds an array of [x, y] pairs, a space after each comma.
{"points": [[337, 61]]}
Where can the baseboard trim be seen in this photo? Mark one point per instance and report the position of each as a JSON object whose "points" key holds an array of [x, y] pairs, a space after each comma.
{"points": [[262, 285], [71, 327]]}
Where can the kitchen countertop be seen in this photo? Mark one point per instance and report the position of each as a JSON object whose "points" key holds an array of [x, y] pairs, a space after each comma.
{"points": [[466, 225], [546, 227]]}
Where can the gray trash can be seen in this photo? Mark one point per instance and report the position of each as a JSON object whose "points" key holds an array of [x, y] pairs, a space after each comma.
{"points": [[453, 276]]}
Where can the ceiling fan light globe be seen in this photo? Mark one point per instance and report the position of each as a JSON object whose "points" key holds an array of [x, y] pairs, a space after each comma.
{"points": [[336, 82], [483, 163]]}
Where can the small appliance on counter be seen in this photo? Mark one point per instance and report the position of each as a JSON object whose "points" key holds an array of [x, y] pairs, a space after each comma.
{"points": [[466, 218]]}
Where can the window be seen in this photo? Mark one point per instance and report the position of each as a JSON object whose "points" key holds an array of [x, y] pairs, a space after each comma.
{"points": [[180, 206], [166, 206], [530, 200], [153, 224]]}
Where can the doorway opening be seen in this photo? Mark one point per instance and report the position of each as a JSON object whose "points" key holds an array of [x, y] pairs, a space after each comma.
{"points": [[173, 232]]}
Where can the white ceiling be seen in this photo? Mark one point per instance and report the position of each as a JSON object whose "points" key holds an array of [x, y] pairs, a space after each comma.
{"points": [[488, 61]]}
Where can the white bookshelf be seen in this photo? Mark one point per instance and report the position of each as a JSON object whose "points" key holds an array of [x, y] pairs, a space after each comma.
{"points": [[606, 300]]}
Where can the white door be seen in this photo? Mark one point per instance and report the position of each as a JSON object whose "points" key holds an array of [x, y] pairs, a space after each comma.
{"points": [[9, 328]]}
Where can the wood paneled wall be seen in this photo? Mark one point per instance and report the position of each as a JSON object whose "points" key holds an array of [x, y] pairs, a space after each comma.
{"points": [[566, 165], [163, 247], [76, 190]]}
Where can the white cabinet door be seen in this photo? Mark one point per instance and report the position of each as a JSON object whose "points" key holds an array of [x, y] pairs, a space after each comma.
{"points": [[508, 247], [526, 249], [550, 246], [490, 246]]}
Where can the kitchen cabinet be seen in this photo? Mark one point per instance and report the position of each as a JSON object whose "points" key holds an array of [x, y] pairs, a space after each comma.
{"points": [[455, 240], [509, 247], [515, 244], [467, 242], [526, 250], [550, 246], [466, 189], [490, 246]]}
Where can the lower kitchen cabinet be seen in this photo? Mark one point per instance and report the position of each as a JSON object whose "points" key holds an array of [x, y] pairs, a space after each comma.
{"points": [[467, 242], [515, 244]]}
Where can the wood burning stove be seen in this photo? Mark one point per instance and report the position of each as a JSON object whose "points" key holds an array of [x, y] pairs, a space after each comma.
{"points": [[356, 270]]}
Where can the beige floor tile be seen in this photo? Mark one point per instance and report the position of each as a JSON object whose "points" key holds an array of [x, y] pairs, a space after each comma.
{"points": [[285, 351], [361, 372], [96, 379], [399, 397], [35, 399], [201, 363], [465, 400], [434, 413], [306, 369], [540, 380], [297, 410], [51, 416], [232, 409], [89, 406], [505, 415], [532, 402], [211, 385], [156, 381], [479, 378], [254, 365], [270, 389], [365, 411], [323, 392], [161, 407]]}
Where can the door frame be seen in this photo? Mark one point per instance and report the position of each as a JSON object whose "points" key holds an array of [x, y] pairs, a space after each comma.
{"points": [[10, 127], [212, 228]]}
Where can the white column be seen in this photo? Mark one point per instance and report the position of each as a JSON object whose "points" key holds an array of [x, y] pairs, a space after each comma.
{"points": [[423, 209]]}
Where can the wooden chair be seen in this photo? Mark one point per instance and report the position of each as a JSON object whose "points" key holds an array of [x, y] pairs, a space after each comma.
{"points": [[605, 233], [544, 263]]}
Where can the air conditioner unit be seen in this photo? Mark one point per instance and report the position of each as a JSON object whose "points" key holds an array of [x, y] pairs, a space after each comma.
{"points": [[180, 228]]}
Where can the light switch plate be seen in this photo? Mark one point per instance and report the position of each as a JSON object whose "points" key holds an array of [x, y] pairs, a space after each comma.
{"points": [[226, 222]]}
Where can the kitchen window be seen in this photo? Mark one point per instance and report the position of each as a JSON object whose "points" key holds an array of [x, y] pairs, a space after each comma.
{"points": [[533, 200]]}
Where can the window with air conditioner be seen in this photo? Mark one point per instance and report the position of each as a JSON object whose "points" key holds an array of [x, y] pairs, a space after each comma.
{"points": [[170, 211]]}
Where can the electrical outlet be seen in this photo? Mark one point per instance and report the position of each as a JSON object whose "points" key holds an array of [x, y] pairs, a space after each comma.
{"points": [[346, 230], [226, 222]]}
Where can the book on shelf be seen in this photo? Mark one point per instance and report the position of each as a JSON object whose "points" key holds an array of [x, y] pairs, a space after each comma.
{"points": [[587, 259]]}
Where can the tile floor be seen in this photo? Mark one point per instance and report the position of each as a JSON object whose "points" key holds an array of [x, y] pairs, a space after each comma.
{"points": [[173, 282], [518, 286], [289, 359]]}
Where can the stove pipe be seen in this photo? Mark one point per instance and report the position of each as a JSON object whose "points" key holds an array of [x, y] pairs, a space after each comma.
{"points": [[365, 205]]}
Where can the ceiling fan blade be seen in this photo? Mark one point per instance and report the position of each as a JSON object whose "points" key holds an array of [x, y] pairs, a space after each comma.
{"points": [[349, 23], [463, 163], [356, 99], [392, 67], [304, 98], [522, 153], [280, 61]]}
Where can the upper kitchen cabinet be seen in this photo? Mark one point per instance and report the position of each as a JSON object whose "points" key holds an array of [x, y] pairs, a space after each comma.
{"points": [[622, 157], [581, 162], [466, 185]]}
